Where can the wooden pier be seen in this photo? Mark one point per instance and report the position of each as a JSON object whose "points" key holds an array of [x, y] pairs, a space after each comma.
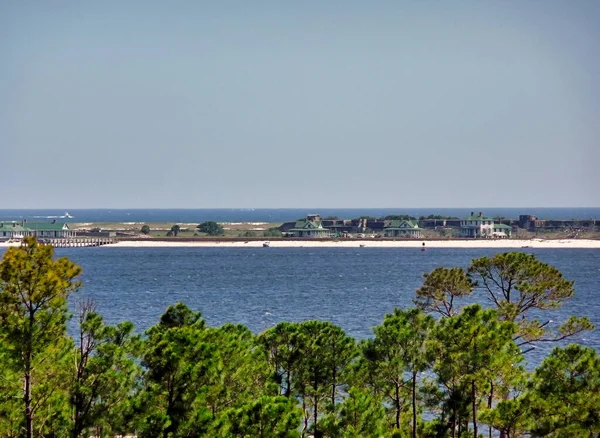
{"points": [[74, 242]]}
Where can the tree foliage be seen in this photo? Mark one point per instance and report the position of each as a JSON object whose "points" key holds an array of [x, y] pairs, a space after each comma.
{"points": [[33, 312], [564, 395], [104, 375], [399, 217], [518, 285], [211, 228], [441, 289], [455, 376]]}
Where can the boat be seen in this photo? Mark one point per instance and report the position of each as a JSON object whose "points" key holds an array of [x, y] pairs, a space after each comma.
{"points": [[67, 215], [266, 244], [423, 247]]}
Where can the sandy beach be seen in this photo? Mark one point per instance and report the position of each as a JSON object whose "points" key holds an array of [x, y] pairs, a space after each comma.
{"points": [[355, 243], [534, 243]]}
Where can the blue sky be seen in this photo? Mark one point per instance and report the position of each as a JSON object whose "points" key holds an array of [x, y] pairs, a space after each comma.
{"points": [[298, 104]]}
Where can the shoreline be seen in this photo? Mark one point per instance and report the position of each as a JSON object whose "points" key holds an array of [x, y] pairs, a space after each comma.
{"points": [[534, 243], [514, 244], [356, 243]]}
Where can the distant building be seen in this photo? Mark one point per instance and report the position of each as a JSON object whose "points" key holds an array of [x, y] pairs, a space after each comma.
{"points": [[502, 230], [18, 230], [309, 227], [402, 228], [12, 230], [479, 226]]}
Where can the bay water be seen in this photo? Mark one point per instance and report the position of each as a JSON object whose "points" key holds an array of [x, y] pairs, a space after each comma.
{"points": [[259, 287]]}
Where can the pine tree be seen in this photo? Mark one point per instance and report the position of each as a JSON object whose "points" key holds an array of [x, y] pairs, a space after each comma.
{"points": [[33, 312]]}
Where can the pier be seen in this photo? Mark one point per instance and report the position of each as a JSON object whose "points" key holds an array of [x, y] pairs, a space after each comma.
{"points": [[74, 242]]}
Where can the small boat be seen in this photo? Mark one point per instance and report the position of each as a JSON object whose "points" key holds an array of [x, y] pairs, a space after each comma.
{"points": [[266, 244], [362, 245]]}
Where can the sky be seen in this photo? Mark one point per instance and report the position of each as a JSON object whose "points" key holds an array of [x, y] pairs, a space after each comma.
{"points": [[271, 104]]}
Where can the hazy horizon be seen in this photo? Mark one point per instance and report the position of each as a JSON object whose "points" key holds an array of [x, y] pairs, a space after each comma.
{"points": [[273, 105]]}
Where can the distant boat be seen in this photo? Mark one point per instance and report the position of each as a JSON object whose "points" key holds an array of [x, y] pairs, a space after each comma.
{"points": [[67, 215], [266, 244]]}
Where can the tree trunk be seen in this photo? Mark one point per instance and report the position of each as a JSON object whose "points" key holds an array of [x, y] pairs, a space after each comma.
{"points": [[316, 412], [288, 388], [414, 404], [453, 420], [474, 402], [397, 406], [333, 391], [27, 375], [27, 400], [316, 407], [305, 415], [490, 401]]}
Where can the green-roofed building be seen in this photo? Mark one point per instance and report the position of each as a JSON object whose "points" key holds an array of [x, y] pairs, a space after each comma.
{"points": [[40, 230], [502, 230], [12, 230], [402, 228], [310, 227], [480, 226]]}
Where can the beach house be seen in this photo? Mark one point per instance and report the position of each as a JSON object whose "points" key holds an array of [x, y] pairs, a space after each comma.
{"points": [[402, 228], [479, 226], [502, 230], [476, 226], [310, 227], [40, 230], [12, 230]]}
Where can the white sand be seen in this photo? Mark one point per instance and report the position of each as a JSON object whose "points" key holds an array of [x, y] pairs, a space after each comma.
{"points": [[355, 243], [509, 243]]}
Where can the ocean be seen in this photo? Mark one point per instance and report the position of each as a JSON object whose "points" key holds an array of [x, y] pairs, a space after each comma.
{"points": [[276, 215], [259, 287]]}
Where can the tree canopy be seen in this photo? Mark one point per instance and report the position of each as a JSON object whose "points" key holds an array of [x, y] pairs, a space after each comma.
{"points": [[211, 228], [458, 374], [33, 311]]}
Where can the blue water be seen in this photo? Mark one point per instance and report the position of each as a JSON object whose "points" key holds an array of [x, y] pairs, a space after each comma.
{"points": [[258, 287], [278, 215]]}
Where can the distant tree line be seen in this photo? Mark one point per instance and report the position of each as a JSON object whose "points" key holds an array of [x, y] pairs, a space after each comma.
{"points": [[405, 217], [211, 228], [440, 369]]}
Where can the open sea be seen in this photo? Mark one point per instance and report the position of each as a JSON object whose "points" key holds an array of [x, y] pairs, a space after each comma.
{"points": [[259, 287], [276, 214]]}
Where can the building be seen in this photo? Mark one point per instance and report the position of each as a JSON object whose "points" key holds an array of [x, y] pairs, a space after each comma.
{"points": [[477, 226], [12, 230], [402, 228], [502, 230], [40, 230], [310, 227]]}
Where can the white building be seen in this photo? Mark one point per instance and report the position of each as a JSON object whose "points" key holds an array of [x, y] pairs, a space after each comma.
{"points": [[477, 226]]}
